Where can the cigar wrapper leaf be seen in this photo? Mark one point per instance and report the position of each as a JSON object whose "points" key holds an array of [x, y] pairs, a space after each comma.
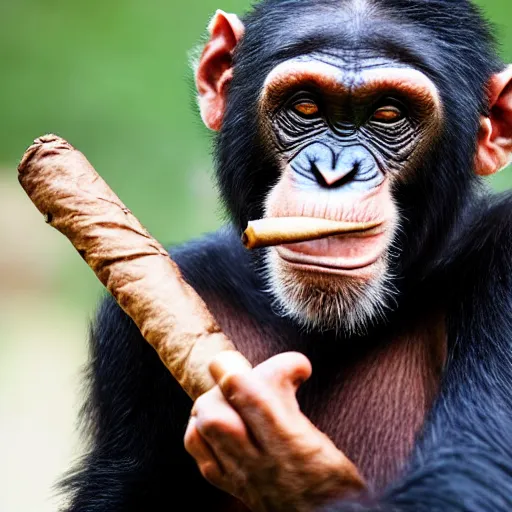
{"points": [[130, 263], [271, 231]]}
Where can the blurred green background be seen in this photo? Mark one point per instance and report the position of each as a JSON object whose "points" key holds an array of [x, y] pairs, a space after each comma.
{"points": [[113, 77]]}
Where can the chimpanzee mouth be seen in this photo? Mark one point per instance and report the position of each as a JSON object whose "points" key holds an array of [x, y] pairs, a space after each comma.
{"points": [[346, 253]]}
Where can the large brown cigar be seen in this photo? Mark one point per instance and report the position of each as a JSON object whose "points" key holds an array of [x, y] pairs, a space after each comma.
{"points": [[137, 270], [287, 230], [132, 265]]}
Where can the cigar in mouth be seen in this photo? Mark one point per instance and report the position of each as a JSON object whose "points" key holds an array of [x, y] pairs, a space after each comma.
{"points": [[271, 231]]}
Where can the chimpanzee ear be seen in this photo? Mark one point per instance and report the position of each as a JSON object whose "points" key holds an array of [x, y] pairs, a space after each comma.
{"points": [[495, 136], [215, 70]]}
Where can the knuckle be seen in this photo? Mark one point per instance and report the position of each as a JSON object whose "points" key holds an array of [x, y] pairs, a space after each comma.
{"points": [[211, 472], [213, 426], [201, 403], [234, 384], [219, 426], [234, 429], [191, 439], [245, 389]]}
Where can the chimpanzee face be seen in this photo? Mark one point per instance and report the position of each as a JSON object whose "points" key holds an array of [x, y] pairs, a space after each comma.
{"points": [[344, 129]]}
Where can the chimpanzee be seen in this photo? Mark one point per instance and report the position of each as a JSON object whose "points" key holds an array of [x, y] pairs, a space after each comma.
{"points": [[357, 110]]}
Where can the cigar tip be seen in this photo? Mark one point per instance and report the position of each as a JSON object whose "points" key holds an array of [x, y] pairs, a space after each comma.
{"points": [[48, 143], [248, 238], [49, 137], [52, 140]]}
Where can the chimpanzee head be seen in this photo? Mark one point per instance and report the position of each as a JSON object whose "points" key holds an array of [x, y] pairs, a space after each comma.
{"points": [[355, 110]]}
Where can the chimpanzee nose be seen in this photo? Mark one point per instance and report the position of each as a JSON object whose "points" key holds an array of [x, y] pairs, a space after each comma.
{"points": [[336, 169], [331, 168], [329, 176]]}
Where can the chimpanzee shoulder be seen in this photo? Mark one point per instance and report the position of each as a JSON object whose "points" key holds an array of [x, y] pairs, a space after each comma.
{"points": [[217, 264], [494, 226], [483, 243], [134, 411]]}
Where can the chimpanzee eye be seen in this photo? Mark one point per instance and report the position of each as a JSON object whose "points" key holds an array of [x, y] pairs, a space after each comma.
{"points": [[387, 114], [306, 108]]}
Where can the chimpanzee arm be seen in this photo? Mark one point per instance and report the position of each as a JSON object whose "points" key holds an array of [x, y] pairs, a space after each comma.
{"points": [[137, 416], [464, 462]]}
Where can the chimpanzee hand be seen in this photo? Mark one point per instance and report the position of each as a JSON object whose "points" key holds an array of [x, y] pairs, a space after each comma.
{"points": [[250, 439]]}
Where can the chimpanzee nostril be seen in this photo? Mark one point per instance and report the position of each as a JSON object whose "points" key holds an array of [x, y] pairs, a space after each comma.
{"points": [[318, 175], [333, 178], [353, 167]]}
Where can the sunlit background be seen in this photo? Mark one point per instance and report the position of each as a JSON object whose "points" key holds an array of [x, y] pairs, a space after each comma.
{"points": [[113, 78]]}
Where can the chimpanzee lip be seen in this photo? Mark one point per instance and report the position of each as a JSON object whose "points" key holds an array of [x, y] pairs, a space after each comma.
{"points": [[363, 273], [311, 264], [343, 254]]}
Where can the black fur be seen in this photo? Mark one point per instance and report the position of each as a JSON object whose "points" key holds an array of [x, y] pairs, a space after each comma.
{"points": [[455, 250], [463, 462]]}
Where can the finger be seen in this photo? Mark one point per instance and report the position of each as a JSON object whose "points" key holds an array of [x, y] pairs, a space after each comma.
{"points": [[224, 431], [286, 371], [276, 379], [206, 461], [265, 398]]}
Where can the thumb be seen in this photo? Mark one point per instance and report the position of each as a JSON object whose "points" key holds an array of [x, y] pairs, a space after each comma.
{"points": [[227, 363], [288, 370]]}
